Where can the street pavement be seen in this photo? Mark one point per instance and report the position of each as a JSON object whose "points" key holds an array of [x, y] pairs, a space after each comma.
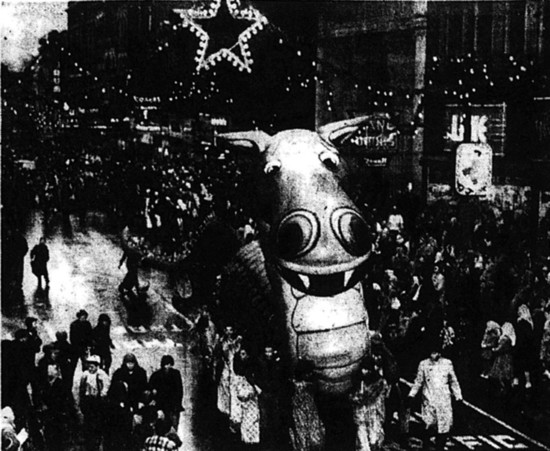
{"points": [[84, 274]]}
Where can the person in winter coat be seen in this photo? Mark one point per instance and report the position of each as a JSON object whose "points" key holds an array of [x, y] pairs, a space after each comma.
{"points": [[226, 349], [369, 410], [502, 370], [65, 358], [161, 440], [167, 389], [437, 382], [387, 364], [33, 340], [54, 407], [130, 281], [246, 395], [94, 386], [40, 255], [118, 419], [17, 372], [489, 342], [49, 359], [81, 338], [32, 346], [135, 378], [269, 377], [101, 341], [525, 350]]}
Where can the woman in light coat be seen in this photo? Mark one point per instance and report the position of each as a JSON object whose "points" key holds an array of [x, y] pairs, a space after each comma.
{"points": [[437, 382], [369, 408], [490, 341], [503, 370]]}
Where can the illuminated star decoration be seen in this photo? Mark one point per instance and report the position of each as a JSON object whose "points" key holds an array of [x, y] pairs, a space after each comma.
{"points": [[242, 58]]}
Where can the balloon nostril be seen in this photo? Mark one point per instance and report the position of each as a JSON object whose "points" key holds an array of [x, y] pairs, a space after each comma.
{"points": [[297, 234], [352, 231]]}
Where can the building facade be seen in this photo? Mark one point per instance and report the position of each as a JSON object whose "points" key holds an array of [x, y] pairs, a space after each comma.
{"points": [[450, 73], [372, 62]]}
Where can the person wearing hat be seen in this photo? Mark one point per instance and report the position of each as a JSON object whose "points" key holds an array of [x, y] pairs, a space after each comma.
{"points": [[437, 381], [135, 378], [80, 335], [167, 388], [94, 386]]}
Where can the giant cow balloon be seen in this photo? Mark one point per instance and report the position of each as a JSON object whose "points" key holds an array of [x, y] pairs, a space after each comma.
{"points": [[315, 242]]}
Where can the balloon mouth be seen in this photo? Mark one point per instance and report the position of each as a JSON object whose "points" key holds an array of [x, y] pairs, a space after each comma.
{"points": [[324, 284]]}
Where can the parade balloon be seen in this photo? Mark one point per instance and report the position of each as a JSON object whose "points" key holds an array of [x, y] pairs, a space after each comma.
{"points": [[316, 244]]}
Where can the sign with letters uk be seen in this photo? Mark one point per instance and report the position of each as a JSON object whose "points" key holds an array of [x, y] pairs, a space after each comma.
{"points": [[484, 124]]}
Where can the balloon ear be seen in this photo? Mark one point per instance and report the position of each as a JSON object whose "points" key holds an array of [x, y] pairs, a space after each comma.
{"points": [[249, 139], [336, 132]]}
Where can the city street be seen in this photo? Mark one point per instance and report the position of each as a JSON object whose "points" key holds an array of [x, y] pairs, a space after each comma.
{"points": [[307, 205], [84, 274]]}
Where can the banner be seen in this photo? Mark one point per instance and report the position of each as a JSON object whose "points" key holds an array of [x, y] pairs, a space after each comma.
{"points": [[474, 169]]}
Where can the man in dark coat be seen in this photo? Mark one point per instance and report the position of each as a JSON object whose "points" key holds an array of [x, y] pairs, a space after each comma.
{"points": [[167, 388], [33, 340], [270, 380], [54, 406], [134, 377], [65, 358], [17, 371], [33, 344], [81, 339], [130, 281], [40, 255]]}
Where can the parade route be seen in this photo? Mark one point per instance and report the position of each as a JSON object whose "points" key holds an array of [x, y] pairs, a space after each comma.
{"points": [[84, 274]]}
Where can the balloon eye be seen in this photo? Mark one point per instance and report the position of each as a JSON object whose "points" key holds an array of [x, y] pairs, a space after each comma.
{"points": [[272, 167], [330, 159], [352, 231], [297, 234]]}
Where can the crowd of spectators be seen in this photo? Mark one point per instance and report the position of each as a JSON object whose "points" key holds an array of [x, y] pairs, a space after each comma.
{"points": [[456, 272], [435, 280], [162, 195], [122, 410]]}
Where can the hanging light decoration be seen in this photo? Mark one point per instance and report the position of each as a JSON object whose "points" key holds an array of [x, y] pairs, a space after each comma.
{"points": [[238, 53]]}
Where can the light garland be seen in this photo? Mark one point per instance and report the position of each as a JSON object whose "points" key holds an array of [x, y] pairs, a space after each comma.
{"points": [[243, 59]]}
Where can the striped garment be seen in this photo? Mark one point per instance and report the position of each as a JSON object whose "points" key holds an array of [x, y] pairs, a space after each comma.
{"points": [[159, 443]]}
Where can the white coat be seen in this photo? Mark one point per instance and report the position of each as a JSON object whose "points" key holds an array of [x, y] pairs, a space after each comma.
{"points": [[437, 380]]}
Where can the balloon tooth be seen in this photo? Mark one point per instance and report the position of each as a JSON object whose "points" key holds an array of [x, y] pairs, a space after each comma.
{"points": [[347, 277], [305, 280]]}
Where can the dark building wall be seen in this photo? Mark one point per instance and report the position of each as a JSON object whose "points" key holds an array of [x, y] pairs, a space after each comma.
{"points": [[483, 53], [372, 59], [490, 53]]}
